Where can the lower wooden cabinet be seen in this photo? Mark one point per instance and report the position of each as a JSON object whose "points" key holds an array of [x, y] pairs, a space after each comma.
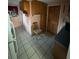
{"points": [[59, 52]]}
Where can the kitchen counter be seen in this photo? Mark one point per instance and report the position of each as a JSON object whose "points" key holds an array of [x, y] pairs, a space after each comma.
{"points": [[63, 37], [16, 21]]}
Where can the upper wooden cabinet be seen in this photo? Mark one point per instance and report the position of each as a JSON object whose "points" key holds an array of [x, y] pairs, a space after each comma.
{"points": [[24, 5], [37, 8], [29, 0]]}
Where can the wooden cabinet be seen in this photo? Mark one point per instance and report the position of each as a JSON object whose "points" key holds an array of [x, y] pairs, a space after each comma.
{"points": [[24, 5], [40, 8], [37, 8]]}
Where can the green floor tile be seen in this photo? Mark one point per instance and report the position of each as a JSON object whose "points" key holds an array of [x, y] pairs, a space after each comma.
{"points": [[20, 51], [30, 52], [35, 56], [40, 52], [32, 46], [23, 56], [27, 46]]}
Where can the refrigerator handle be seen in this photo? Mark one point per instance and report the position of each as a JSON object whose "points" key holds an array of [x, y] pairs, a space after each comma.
{"points": [[14, 34]]}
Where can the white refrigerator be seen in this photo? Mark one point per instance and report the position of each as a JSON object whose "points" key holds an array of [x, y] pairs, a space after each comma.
{"points": [[12, 44]]}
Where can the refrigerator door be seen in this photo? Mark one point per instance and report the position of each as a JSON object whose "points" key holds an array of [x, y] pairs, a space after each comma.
{"points": [[14, 37], [11, 47]]}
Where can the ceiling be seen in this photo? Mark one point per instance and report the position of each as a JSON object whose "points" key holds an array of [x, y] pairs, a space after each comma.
{"points": [[46, 1], [52, 1]]}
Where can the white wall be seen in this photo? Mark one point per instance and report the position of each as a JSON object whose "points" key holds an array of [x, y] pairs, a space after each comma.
{"points": [[62, 16], [61, 22], [16, 2], [27, 24], [53, 1]]}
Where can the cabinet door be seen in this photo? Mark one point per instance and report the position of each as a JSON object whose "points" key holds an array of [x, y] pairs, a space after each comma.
{"points": [[24, 5], [36, 7], [27, 7]]}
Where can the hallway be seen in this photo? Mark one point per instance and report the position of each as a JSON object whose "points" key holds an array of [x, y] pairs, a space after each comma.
{"points": [[34, 47]]}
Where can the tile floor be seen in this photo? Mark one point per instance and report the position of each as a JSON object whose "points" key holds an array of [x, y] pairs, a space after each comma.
{"points": [[34, 47]]}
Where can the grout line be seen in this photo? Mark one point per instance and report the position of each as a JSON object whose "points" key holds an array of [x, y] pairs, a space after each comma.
{"points": [[30, 40], [36, 53], [24, 49]]}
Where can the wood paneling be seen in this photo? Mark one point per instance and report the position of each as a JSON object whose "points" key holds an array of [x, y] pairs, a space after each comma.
{"points": [[53, 18], [24, 5], [59, 52], [40, 8]]}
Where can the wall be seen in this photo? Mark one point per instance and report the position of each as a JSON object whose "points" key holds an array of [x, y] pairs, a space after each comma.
{"points": [[16, 2], [52, 1], [27, 24], [27, 21], [16, 21], [62, 17], [61, 23]]}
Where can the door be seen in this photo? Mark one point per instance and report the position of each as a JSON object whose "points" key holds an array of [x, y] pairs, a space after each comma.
{"points": [[53, 18]]}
